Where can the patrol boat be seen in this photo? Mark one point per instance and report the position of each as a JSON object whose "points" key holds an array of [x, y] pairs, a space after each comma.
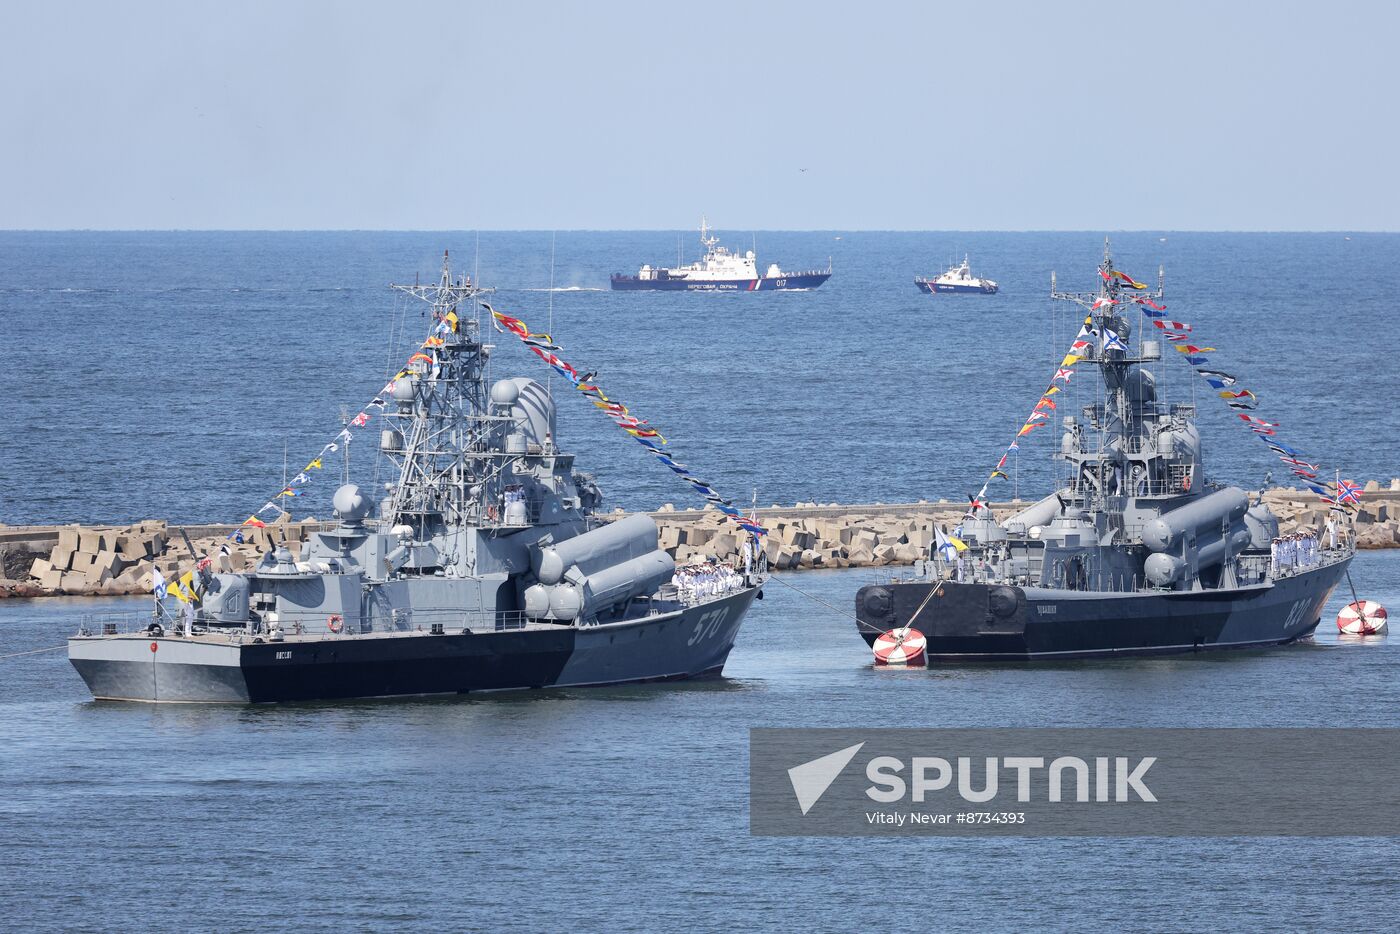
{"points": [[957, 279], [1137, 554], [483, 568], [719, 271]]}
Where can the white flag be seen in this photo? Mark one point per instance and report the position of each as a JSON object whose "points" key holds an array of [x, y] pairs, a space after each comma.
{"points": [[946, 549]]}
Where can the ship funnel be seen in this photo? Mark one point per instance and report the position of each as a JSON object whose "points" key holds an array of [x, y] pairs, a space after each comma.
{"points": [[533, 411]]}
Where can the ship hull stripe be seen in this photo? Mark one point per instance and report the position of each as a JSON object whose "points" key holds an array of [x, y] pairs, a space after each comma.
{"points": [[689, 643], [928, 287], [776, 284], [961, 626]]}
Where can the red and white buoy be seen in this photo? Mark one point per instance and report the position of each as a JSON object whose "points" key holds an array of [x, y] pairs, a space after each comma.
{"points": [[902, 647], [1362, 618]]}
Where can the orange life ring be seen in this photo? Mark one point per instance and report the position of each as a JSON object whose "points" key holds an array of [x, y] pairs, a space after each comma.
{"points": [[335, 622]]}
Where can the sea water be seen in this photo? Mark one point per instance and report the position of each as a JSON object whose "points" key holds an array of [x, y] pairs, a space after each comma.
{"points": [[186, 375], [161, 375], [626, 809]]}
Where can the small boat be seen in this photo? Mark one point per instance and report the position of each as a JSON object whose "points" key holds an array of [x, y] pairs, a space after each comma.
{"points": [[957, 279], [719, 271]]}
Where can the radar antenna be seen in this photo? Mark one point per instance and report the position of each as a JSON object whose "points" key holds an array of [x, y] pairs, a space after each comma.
{"points": [[1116, 419], [705, 237], [441, 442]]}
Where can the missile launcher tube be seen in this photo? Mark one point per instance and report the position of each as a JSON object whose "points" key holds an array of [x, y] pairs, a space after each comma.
{"points": [[610, 586], [1204, 515], [611, 544]]}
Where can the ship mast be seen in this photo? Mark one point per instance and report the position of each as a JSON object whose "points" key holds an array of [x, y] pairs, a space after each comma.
{"points": [[705, 238], [441, 437], [1111, 348]]}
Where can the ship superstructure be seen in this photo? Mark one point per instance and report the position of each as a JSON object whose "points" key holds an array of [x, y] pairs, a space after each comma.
{"points": [[483, 567], [1137, 552], [958, 278], [719, 270]]}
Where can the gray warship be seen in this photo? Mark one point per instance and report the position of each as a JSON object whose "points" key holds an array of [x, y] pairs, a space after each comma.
{"points": [[1135, 554], [483, 568]]}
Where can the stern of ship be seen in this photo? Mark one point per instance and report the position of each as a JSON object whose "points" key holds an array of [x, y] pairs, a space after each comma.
{"points": [[959, 620]]}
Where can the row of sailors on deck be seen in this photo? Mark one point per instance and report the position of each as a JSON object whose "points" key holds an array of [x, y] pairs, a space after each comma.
{"points": [[1291, 553], [702, 581]]}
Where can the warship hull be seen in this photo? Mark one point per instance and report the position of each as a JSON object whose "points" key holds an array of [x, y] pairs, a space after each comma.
{"points": [[766, 284], [998, 622], [929, 286], [688, 643]]}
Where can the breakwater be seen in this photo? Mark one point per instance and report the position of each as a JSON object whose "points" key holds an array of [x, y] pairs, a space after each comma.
{"points": [[115, 560]]}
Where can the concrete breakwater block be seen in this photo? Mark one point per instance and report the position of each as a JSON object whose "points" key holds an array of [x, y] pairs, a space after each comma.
{"points": [[866, 536], [121, 560], [855, 540]]}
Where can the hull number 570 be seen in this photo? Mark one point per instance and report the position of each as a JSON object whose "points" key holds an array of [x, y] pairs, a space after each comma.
{"points": [[708, 625]]}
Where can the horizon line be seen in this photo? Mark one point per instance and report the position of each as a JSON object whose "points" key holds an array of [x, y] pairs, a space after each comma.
{"points": [[959, 230]]}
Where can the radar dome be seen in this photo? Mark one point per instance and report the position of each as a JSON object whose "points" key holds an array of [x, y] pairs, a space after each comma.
{"points": [[504, 392], [403, 389], [350, 504]]}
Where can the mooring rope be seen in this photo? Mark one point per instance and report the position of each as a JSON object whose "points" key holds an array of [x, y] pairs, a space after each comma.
{"points": [[52, 648], [931, 594], [813, 597]]}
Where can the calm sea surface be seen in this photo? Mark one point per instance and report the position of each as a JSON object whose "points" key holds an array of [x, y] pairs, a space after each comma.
{"points": [[626, 809], [162, 374]]}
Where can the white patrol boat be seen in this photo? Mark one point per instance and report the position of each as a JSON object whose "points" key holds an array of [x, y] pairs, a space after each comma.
{"points": [[719, 270], [957, 279]]}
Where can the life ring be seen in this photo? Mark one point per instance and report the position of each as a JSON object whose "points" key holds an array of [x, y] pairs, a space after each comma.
{"points": [[335, 622]]}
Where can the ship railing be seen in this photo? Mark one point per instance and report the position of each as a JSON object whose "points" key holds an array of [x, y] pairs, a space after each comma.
{"points": [[691, 598], [702, 589], [424, 620], [115, 624], [309, 624], [498, 515], [1252, 569], [1172, 486], [1322, 557]]}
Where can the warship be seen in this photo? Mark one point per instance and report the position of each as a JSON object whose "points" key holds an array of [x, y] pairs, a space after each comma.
{"points": [[483, 567], [719, 270], [958, 278], [1135, 553]]}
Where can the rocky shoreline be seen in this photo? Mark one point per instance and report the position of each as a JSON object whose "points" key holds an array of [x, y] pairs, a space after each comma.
{"points": [[41, 561]]}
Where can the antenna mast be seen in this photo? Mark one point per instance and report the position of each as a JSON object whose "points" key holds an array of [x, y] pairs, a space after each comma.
{"points": [[443, 474], [1106, 325]]}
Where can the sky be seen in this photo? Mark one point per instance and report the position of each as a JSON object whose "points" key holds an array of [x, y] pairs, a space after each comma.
{"points": [[765, 115]]}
